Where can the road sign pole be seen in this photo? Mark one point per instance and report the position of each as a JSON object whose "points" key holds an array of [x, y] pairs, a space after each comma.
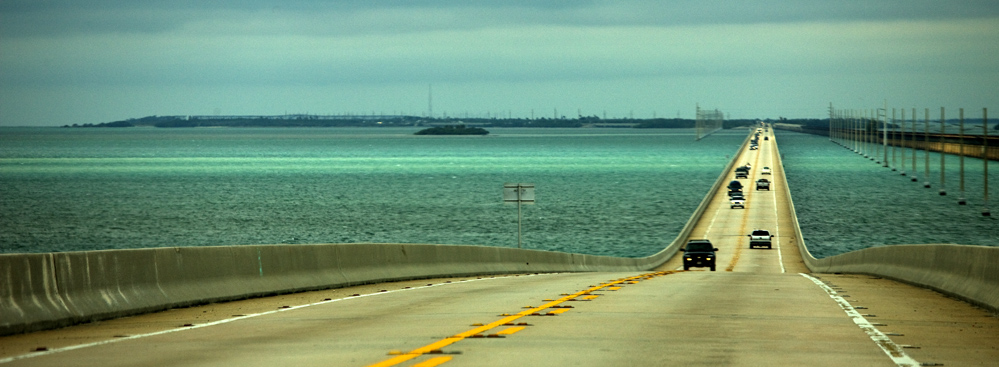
{"points": [[519, 193], [519, 217]]}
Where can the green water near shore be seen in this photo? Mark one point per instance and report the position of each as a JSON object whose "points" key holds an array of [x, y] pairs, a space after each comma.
{"points": [[619, 192], [846, 202], [607, 191]]}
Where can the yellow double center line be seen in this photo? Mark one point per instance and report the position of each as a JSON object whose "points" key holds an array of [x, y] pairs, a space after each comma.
{"points": [[435, 347]]}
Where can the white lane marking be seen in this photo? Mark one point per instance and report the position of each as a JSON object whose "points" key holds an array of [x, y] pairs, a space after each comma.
{"points": [[718, 210], [225, 321], [780, 257], [712, 223], [894, 351]]}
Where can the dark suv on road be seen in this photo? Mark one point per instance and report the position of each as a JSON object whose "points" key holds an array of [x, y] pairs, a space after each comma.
{"points": [[699, 253]]}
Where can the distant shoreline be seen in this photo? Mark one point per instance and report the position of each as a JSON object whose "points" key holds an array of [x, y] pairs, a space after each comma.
{"points": [[407, 121]]}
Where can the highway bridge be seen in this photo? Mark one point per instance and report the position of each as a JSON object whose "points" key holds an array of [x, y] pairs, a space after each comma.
{"points": [[434, 305]]}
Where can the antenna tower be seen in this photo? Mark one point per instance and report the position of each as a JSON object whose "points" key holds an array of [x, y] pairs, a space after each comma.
{"points": [[430, 101]]}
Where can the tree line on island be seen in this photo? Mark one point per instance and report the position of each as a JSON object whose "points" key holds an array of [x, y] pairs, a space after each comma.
{"points": [[405, 121], [806, 125], [453, 130]]}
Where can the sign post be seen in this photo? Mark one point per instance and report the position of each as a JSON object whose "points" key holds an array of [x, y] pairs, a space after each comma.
{"points": [[520, 193]]}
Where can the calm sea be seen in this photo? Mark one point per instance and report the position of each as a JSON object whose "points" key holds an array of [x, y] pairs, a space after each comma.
{"points": [[846, 202], [619, 192]]}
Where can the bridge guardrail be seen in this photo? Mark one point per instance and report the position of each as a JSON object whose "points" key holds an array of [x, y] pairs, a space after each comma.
{"points": [[50, 290], [967, 272]]}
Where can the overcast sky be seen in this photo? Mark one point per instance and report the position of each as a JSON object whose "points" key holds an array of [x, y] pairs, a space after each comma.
{"points": [[68, 61]]}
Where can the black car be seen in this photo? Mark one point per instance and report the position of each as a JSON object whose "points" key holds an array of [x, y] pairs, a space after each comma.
{"points": [[699, 254], [742, 172]]}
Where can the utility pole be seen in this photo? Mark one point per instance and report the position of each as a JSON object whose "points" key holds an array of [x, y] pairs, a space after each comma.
{"points": [[985, 160], [960, 199], [884, 139], [830, 121], [926, 146], [913, 133], [943, 130]]}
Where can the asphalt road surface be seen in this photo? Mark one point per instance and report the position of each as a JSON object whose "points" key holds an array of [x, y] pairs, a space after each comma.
{"points": [[760, 307]]}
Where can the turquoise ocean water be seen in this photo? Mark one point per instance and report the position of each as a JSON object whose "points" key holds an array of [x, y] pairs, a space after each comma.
{"points": [[846, 202], [599, 191], [620, 192]]}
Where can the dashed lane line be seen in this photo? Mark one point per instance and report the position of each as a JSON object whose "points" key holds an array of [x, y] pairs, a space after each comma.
{"points": [[478, 332], [237, 318], [745, 216]]}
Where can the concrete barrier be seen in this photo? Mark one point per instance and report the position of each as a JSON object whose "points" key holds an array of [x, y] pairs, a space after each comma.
{"points": [[43, 291], [970, 273], [967, 272]]}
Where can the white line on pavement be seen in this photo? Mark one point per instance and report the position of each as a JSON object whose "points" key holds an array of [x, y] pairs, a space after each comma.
{"points": [[225, 321], [894, 351]]}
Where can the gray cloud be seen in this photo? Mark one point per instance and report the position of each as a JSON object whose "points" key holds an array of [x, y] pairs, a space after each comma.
{"points": [[34, 18], [182, 53]]}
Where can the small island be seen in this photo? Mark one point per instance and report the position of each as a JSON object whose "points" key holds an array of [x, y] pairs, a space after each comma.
{"points": [[453, 130]]}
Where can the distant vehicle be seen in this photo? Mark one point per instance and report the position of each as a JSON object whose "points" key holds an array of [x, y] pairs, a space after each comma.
{"points": [[766, 138], [734, 187], [766, 171], [762, 184], [738, 198], [754, 147], [742, 172], [760, 238], [699, 254]]}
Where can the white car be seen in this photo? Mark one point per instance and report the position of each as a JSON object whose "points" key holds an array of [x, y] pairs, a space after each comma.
{"points": [[760, 238], [737, 201], [766, 171]]}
